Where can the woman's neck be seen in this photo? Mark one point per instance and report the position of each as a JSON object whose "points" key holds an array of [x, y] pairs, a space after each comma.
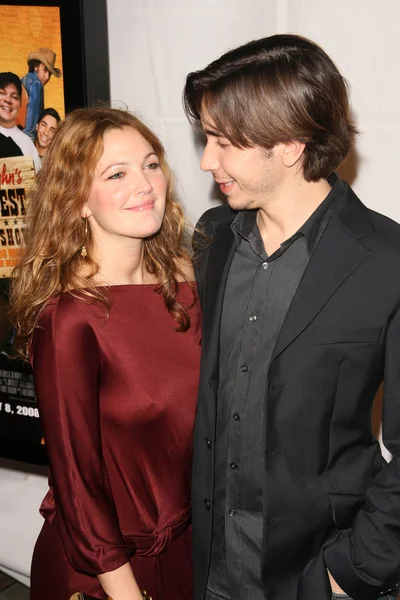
{"points": [[122, 264]]}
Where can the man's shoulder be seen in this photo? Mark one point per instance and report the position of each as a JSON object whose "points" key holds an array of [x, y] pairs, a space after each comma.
{"points": [[387, 231], [8, 146], [366, 221], [18, 134], [384, 223], [219, 215], [30, 78], [28, 148]]}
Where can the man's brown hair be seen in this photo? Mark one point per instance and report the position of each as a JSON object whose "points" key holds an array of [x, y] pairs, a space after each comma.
{"points": [[274, 90]]}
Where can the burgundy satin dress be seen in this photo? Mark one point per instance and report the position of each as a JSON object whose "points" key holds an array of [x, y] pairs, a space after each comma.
{"points": [[117, 401]]}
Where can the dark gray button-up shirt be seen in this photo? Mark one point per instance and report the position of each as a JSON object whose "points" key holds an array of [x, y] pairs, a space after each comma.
{"points": [[258, 294]]}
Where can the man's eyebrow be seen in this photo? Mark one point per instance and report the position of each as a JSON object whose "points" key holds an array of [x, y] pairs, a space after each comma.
{"points": [[213, 132]]}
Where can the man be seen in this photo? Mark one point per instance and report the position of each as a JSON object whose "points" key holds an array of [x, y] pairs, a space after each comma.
{"points": [[10, 134], [45, 130], [300, 289], [41, 68]]}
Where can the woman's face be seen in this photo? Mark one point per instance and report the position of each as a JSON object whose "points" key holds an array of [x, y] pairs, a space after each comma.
{"points": [[127, 197]]}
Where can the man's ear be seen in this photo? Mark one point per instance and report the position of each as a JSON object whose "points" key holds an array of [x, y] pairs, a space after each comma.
{"points": [[292, 152]]}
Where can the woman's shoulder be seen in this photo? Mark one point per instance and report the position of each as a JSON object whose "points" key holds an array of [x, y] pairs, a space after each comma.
{"points": [[65, 326], [68, 309]]}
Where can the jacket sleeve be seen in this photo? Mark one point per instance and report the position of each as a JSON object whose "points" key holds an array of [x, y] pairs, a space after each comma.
{"points": [[35, 105], [67, 375], [201, 243], [366, 560]]}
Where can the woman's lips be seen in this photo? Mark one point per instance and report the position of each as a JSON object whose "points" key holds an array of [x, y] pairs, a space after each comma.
{"points": [[142, 207]]}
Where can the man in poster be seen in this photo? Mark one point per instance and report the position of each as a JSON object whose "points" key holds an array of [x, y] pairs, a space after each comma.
{"points": [[41, 68], [45, 130], [10, 134]]}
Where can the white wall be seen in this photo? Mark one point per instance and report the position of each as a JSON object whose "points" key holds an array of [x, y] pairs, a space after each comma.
{"points": [[154, 44]]}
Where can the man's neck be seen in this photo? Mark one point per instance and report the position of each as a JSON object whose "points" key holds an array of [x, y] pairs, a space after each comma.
{"points": [[288, 210], [7, 125], [40, 150]]}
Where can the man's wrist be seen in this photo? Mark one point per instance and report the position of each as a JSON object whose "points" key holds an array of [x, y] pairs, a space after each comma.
{"points": [[335, 587]]}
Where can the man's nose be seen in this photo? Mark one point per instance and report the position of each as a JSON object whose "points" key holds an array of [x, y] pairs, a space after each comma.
{"points": [[209, 160]]}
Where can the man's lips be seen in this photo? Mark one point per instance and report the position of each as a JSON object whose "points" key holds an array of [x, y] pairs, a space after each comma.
{"points": [[225, 186]]}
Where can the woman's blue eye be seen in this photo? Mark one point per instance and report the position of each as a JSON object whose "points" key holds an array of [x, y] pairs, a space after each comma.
{"points": [[153, 166], [116, 176]]}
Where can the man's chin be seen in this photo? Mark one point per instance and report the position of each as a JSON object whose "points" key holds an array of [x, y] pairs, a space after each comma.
{"points": [[239, 204]]}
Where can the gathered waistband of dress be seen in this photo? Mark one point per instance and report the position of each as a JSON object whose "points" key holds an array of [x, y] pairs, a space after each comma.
{"points": [[151, 544]]}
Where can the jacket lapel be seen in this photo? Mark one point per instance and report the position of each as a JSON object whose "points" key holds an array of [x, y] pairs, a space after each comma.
{"points": [[338, 254]]}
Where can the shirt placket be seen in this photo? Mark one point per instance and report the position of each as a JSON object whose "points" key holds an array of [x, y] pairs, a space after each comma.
{"points": [[235, 471]]}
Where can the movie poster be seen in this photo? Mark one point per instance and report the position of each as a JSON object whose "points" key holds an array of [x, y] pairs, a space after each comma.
{"points": [[24, 30], [17, 175], [20, 433], [30, 82]]}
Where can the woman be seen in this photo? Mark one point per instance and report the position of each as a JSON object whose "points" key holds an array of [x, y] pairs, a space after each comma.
{"points": [[104, 304]]}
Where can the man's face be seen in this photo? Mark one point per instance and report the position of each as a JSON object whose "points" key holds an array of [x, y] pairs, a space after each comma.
{"points": [[43, 73], [45, 131], [247, 176], [10, 103]]}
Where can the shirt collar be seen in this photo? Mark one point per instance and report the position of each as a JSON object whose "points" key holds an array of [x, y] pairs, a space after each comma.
{"points": [[245, 226]]}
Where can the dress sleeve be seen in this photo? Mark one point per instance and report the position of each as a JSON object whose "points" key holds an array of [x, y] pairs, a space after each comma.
{"points": [[67, 373]]}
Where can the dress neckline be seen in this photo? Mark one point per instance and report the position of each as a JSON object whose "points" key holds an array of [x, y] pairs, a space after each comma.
{"points": [[143, 285]]}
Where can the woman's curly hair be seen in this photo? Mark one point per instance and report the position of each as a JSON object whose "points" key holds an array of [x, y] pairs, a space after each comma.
{"points": [[51, 261]]}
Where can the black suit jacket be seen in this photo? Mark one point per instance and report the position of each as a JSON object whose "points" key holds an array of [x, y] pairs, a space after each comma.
{"points": [[330, 499]]}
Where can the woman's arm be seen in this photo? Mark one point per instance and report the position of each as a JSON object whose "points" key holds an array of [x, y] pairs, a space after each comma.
{"points": [[120, 584], [67, 373]]}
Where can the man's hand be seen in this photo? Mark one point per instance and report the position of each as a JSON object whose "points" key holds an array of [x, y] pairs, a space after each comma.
{"points": [[334, 585]]}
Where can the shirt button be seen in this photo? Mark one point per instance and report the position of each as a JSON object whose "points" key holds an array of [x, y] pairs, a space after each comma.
{"points": [[253, 318], [208, 442], [236, 417], [207, 504], [233, 465], [232, 512], [265, 266], [244, 368]]}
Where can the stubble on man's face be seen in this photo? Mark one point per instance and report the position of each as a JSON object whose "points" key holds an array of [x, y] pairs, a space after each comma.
{"points": [[255, 179]]}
